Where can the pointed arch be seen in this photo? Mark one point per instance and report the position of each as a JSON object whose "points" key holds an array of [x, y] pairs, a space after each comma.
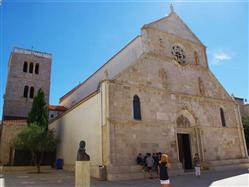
{"points": [[182, 122], [136, 108], [186, 113]]}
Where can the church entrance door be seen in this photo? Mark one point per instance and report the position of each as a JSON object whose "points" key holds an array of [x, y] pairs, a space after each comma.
{"points": [[184, 150]]}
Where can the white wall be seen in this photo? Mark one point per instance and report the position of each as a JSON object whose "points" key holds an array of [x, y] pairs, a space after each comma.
{"points": [[83, 122]]}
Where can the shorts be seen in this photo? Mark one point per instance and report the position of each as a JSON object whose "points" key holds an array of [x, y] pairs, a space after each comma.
{"points": [[164, 181], [149, 168]]}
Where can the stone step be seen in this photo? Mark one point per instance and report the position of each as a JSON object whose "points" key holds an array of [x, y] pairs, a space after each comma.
{"points": [[228, 162], [231, 166]]}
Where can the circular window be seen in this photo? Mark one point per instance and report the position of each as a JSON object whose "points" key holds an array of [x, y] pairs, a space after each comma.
{"points": [[178, 54]]}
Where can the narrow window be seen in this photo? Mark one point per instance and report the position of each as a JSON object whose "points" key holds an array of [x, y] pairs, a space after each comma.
{"points": [[25, 91], [222, 117], [31, 67], [31, 92], [136, 108], [25, 67], [37, 69], [196, 58]]}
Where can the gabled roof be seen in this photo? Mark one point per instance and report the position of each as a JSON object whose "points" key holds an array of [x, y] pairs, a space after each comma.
{"points": [[121, 60], [173, 24]]}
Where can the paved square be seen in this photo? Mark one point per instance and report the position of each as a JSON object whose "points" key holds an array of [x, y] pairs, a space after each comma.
{"points": [[230, 178]]}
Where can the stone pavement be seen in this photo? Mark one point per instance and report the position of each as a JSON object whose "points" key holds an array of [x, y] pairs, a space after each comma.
{"points": [[229, 178]]}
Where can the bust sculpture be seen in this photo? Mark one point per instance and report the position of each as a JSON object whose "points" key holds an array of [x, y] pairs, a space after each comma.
{"points": [[82, 155]]}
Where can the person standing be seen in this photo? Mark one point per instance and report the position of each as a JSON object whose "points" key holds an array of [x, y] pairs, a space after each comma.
{"points": [[139, 159], [150, 164], [197, 165], [163, 171]]}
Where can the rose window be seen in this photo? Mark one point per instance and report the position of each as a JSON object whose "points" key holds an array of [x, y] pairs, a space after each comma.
{"points": [[178, 54]]}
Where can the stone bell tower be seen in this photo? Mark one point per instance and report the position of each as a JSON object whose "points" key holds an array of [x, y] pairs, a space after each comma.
{"points": [[28, 71]]}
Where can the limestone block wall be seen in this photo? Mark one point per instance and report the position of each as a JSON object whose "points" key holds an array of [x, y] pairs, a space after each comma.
{"points": [[221, 143], [246, 110], [166, 74], [82, 122], [160, 44], [166, 89], [157, 130], [9, 131]]}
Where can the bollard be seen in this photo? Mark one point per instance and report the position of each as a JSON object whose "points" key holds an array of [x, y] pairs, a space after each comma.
{"points": [[82, 174]]}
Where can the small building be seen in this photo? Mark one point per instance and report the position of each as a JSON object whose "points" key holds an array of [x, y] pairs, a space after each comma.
{"points": [[55, 110], [157, 94]]}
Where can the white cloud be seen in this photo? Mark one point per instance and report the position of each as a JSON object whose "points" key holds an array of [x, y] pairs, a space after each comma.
{"points": [[220, 57]]}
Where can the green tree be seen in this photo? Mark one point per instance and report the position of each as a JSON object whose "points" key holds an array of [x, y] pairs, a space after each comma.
{"points": [[245, 121], [37, 140], [36, 137], [39, 111]]}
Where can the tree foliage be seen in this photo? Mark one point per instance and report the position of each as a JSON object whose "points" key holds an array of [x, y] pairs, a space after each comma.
{"points": [[37, 140], [245, 121], [39, 111], [36, 137]]}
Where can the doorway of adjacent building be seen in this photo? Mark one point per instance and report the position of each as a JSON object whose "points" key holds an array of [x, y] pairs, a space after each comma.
{"points": [[184, 151]]}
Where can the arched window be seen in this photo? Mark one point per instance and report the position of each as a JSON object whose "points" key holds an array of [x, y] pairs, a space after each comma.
{"points": [[136, 108], [223, 122], [31, 92], [25, 67], [37, 69], [31, 67], [25, 91]]}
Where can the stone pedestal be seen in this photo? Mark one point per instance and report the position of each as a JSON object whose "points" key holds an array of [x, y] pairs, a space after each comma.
{"points": [[82, 174]]}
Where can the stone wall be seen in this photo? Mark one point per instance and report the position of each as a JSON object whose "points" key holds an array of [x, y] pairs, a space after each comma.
{"points": [[167, 90], [9, 130], [246, 110], [15, 104]]}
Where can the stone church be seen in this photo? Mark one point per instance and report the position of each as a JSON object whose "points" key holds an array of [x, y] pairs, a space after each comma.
{"points": [[157, 94]]}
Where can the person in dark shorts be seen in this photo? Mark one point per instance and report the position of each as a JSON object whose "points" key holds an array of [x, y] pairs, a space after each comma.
{"points": [[156, 161], [163, 171]]}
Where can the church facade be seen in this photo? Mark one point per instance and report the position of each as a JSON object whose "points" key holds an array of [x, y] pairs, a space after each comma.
{"points": [[157, 94]]}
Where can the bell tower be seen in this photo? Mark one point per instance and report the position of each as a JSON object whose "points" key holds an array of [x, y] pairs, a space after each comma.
{"points": [[28, 71]]}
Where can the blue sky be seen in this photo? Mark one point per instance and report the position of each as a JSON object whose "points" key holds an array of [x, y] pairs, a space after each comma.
{"points": [[84, 35]]}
